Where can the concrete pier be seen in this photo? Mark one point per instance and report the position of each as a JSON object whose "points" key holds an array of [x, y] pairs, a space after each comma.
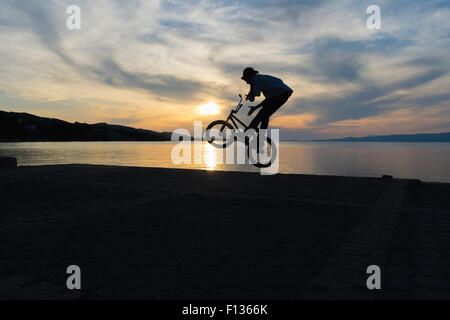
{"points": [[183, 234]]}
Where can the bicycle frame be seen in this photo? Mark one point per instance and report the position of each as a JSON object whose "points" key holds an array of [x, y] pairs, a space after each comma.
{"points": [[232, 117]]}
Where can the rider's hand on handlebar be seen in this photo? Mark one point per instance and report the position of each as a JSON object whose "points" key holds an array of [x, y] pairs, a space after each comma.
{"points": [[249, 97]]}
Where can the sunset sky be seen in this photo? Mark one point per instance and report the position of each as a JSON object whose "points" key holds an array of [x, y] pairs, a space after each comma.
{"points": [[154, 64]]}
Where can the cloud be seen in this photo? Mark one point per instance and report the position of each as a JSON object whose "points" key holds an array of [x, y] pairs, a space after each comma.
{"points": [[38, 17], [110, 73], [368, 99], [161, 59]]}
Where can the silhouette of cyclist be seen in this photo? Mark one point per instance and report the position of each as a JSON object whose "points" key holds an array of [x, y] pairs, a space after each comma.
{"points": [[275, 91]]}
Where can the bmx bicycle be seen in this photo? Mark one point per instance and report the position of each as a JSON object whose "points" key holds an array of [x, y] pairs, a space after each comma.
{"points": [[221, 139]]}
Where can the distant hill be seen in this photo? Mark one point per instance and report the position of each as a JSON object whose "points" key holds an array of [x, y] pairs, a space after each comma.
{"points": [[427, 137], [28, 127]]}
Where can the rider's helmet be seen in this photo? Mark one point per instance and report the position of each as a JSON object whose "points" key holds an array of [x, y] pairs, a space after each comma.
{"points": [[248, 74]]}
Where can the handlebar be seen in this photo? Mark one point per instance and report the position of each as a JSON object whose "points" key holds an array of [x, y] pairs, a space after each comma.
{"points": [[239, 106]]}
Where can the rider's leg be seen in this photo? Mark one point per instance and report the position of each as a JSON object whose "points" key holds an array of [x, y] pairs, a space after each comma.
{"points": [[270, 107], [277, 102], [256, 121], [263, 117], [265, 122]]}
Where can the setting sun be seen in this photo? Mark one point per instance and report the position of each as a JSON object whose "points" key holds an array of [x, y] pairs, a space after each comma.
{"points": [[209, 109]]}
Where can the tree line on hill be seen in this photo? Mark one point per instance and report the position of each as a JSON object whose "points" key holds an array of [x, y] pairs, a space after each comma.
{"points": [[27, 127]]}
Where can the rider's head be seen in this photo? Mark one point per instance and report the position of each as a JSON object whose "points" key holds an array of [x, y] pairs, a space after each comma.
{"points": [[248, 74]]}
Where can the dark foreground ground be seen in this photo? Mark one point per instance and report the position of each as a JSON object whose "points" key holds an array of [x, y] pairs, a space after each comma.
{"points": [[174, 234]]}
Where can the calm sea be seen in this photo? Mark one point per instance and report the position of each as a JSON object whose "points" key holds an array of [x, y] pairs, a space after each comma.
{"points": [[424, 161]]}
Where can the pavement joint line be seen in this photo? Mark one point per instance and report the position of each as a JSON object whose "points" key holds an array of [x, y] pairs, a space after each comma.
{"points": [[379, 223]]}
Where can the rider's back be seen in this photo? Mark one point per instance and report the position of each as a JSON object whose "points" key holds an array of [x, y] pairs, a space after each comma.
{"points": [[270, 86]]}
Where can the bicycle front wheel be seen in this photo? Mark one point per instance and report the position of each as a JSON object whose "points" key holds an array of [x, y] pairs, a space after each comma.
{"points": [[216, 134]]}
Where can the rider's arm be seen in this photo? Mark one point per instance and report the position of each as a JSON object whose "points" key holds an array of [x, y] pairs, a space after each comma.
{"points": [[255, 89], [260, 105], [251, 95]]}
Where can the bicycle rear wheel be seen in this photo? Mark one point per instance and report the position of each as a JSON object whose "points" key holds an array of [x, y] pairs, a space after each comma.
{"points": [[216, 134], [268, 151]]}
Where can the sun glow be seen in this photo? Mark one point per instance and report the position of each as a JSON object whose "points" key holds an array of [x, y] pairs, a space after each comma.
{"points": [[209, 109]]}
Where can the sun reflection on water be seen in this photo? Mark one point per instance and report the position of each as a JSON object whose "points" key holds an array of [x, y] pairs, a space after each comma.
{"points": [[210, 154]]}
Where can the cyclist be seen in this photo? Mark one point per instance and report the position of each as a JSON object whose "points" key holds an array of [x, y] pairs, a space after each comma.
{"points": [[275, 91]]}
